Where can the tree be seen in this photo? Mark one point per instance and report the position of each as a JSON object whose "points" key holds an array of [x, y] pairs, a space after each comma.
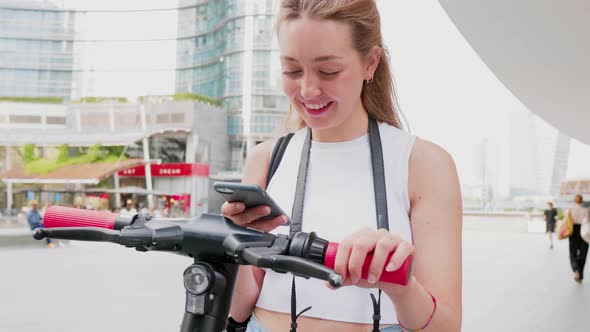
{"points": [[29, 153], [63, 153]]}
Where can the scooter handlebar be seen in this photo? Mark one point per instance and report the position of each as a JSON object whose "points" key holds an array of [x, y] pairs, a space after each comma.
{"points": [[400, 276], [60, 216]]}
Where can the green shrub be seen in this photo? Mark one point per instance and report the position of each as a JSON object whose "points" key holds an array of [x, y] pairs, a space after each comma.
{"points": [[29, 154], [93, 154], [560, 214], [42, 100], [95, 100], [194, 96], [63, 154]]}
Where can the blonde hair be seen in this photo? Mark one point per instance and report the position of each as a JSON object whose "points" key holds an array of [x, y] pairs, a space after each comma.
{"points": [[33, 202], [377, 96]]}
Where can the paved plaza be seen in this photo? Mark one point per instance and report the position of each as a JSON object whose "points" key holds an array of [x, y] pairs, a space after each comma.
{"points": [[512, 282]]}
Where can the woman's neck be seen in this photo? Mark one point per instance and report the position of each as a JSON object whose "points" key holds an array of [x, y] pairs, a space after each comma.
{"points": [[355, 126]]}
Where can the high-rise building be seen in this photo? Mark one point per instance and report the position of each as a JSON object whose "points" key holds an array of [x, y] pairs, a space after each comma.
{"points": [[523, 153], [528, 160], [560, 163], [36, 49], [227, 50], [539, 156]]}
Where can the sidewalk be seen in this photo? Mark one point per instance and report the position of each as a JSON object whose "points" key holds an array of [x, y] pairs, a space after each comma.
{"points": [[14, 233], [512, 281]]}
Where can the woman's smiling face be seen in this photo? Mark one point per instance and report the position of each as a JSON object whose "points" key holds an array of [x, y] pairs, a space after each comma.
{"points": [[322, 73]]}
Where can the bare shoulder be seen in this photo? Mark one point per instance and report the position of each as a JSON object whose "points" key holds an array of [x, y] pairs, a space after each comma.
{"points": [[257, 161], [431, 170], [426, 153]]}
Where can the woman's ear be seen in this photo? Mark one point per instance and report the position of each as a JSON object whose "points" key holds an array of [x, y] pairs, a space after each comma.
{"points": [[372, 61]]}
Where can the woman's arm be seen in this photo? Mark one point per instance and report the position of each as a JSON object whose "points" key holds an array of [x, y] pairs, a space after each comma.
{"points": [[435, 217], [249, 280], [246, 292], [436, 220]]}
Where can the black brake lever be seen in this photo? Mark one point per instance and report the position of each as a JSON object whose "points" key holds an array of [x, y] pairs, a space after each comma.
{"points": [[79, 233], [298, 266], [142, 238]]}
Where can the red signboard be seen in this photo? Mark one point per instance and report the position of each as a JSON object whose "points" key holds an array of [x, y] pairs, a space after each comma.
{"points": [[168, 170]]}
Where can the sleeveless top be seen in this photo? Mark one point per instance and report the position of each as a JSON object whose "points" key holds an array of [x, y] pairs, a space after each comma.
{"points": [[339, 200], [579, 214]]}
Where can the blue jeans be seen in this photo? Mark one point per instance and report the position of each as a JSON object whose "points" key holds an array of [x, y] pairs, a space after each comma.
{"points": [[255, 326]]}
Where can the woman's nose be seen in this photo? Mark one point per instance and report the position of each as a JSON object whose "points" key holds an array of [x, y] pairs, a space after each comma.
{"points": [[309, 88]]}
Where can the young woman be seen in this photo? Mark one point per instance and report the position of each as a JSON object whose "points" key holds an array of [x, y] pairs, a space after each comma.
{"points": [[550, 220], [578, 247], [337, 77]]}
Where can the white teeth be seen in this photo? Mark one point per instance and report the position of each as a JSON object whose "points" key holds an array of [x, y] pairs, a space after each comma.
{"points": [[316, 106]]}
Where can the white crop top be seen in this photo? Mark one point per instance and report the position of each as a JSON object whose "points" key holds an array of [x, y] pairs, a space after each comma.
{"points": [[339, 200]]}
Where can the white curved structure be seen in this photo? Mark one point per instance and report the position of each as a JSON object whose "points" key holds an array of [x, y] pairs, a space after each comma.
{"points": [[539, 49]]}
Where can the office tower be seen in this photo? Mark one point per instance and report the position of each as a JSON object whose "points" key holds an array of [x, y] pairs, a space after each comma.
{"points": [[36, 49], [539, 156], [560, 163], [227, 50]]}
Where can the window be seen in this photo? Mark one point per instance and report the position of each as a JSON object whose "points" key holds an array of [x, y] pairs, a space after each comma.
{"points": [[56, 120], [26, 119], [269, 102], [177, 117], [162, 118]]}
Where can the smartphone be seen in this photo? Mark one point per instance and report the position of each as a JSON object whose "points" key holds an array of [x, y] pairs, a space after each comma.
{"points": [[252, 195]]}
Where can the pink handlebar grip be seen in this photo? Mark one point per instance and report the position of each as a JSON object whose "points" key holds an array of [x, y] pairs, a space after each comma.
{"points": [[59, 216], [399, 276]]}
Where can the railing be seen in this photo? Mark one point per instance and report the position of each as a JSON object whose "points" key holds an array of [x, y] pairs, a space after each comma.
{"points": [[15, 116], [105, 119]]}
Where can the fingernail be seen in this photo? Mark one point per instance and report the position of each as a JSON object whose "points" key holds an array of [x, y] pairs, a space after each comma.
{"points": [[266, 210], [284, 219], [372, 278], [391, 267], [240, 206], [355, 280]]}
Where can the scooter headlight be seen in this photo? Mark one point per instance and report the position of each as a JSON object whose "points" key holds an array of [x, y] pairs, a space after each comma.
{"points": [[196, 279]]}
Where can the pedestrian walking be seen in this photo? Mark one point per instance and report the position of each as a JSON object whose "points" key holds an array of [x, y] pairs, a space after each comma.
{"points": [[36, 221], [550, 219], [578, 247]]}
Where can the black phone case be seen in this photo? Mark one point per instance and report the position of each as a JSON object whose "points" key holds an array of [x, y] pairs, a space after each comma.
{"points": [[251, 195]]}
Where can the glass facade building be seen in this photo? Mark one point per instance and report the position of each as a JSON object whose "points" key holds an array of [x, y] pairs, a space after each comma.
{"points": [[227, 50], [36, 49]]}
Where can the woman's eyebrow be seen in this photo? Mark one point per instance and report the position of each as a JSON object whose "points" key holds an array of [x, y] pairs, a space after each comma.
{"points": [[288, 58], [318, 59], [326, 58]]}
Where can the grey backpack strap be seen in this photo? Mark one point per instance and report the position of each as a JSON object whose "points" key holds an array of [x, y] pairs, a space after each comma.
{"points": [[299, 199], [277, 155], [378, 179], [378, 175], [380, 204]]}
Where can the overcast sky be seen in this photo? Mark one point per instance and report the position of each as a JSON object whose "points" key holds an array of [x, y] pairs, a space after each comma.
{"points": [[446, 92]]}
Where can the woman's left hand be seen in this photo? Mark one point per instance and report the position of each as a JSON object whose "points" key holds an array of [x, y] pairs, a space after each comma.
{"points": [[353, 251]]}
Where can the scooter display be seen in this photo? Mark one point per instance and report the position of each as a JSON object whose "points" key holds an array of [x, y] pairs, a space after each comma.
{"points": [[216, 245]]}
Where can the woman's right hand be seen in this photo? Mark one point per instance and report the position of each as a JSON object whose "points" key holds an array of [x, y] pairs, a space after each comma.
{"points": [[240, 216]]}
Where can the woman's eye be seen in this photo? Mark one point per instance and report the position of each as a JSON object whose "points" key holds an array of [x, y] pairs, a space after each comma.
{"points": [[291, 72], [330, 73]]}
